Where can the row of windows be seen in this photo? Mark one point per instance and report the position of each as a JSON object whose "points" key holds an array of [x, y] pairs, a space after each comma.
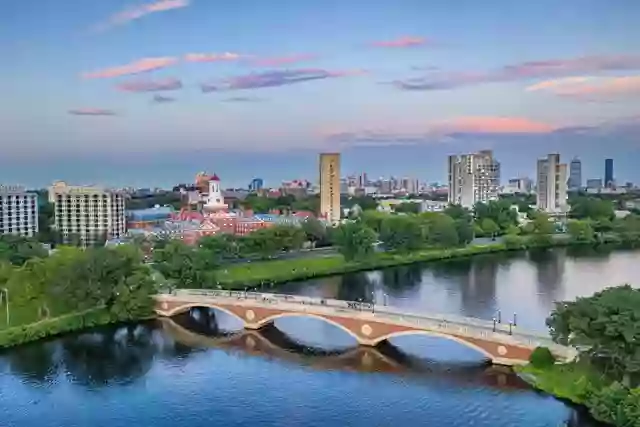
{"points": [[18, 197]]}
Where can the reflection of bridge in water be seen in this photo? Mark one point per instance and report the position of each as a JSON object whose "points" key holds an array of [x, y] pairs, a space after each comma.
{"points": [[387, 358]]}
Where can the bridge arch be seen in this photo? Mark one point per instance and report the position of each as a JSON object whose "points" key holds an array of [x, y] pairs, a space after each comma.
{"points": [[188, 306], [453, 338], [270, 319]]}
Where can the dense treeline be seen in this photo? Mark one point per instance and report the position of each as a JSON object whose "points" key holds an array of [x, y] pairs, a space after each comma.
{"points": [[606, 329], [196, 266], [39, 286]]}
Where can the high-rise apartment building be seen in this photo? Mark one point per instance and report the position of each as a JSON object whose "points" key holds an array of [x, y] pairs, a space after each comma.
{"points": [[552, 185], [87, 213], [609, 180], [330, 186], [18, 211], [575, 174], [473, 178]]}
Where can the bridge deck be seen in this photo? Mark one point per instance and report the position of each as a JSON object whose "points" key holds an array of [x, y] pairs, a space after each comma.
{"points": [[438, 323]]}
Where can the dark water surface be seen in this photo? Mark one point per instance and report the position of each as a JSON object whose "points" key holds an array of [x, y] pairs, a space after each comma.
{"points": [[200, 370]]}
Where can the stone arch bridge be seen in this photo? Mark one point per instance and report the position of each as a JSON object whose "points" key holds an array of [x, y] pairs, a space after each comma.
{"points": [[369, 325]]}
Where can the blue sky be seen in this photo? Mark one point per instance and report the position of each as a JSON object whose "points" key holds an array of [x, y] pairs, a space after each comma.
{"points": [[119, 93]]}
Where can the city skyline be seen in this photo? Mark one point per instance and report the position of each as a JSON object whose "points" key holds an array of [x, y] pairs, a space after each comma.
{"points": [[145, 95]]}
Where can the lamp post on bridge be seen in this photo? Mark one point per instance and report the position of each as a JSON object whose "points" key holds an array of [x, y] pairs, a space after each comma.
{"points": [[385, 299], [510, 328], [515, 319], [5, 292], [494, 324], [373, 302]]}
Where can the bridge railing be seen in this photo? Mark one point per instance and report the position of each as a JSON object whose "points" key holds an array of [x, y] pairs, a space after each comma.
{"points": [[449, 323]]}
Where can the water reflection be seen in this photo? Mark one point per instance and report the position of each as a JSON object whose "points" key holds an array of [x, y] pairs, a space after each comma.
{"points": [[188, 371], [100, 358], [518, 282]]}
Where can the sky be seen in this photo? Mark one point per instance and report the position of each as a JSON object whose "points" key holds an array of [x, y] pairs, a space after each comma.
{"points": [[120, 93]]}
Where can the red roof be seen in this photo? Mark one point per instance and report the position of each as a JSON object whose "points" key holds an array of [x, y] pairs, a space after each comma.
{"points": [[215, 178]]}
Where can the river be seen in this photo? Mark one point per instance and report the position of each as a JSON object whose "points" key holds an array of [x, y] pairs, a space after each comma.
{"points": [[198, 370]]}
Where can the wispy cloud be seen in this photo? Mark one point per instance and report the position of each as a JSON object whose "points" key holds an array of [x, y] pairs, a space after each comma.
{"points": [[159, 99], [213, 57], [402, 42], [522, 71], [136, 12], [243, 99], [276, 78], [442, 131], [279, 61], [140, 66], [591, 88], [466, 128], [91, 112], [150, 85]]}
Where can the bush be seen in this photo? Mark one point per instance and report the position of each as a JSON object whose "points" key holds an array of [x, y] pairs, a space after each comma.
{"points": [[542, 358], [616, 405]]}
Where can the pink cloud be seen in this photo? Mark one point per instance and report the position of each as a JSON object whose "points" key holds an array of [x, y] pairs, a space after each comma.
{"points": [[591, 88], [92, 112], [213, 57], [136, 12], [521, 71], [150, 86], [402, 42], [140, 66], [278, 61], [440, 131], [495, 125]]}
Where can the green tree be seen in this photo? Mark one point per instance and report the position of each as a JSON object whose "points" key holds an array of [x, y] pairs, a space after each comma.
{"points": [[315, 230], [440, 230], [374, 219], [402, 233], [591, 208], [407, 207], [498, 211], [17, 250], [185, 265], [580, 231], [464, 229], [355, 240], [605, 326], [489, 227], [458, 212]]}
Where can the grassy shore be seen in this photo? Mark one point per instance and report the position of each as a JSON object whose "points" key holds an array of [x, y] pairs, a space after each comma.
{"points": [[239, 276], [570, 381]]}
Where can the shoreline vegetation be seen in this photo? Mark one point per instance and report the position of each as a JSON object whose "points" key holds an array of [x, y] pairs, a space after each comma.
{"points": [[269, 273]]}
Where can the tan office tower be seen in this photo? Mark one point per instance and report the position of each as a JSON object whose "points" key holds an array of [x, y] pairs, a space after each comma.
{"points": [[330, 186]]}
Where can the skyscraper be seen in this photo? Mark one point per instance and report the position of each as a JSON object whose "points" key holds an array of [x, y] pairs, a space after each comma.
{"points": [[552, 185], [608, 173], [330, 186], [575, 174], [473, 178]]}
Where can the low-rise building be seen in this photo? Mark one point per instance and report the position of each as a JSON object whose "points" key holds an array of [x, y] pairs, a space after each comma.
{"points": [[148, 218]]}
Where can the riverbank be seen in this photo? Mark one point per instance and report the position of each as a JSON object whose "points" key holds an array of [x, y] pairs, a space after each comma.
{"points": [[581, 384], [55, 326], [240, 276], [258, 273]]}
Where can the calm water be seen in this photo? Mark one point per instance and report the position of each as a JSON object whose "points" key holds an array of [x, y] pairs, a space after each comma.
{"points": [[199, 370]]}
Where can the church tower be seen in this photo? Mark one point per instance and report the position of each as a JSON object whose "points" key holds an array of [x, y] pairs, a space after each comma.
{"points": [[215, 199]]}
